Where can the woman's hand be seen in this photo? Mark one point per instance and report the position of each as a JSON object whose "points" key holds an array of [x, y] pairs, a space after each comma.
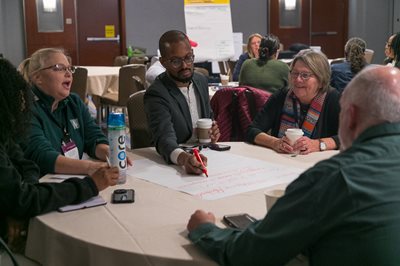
{"points": [[214, 132], [306, 145], [282, 145]]}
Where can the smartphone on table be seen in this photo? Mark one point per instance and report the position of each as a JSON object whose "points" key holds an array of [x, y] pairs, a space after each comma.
{"points": [[239, 221], [123, 196], [218, 147]]}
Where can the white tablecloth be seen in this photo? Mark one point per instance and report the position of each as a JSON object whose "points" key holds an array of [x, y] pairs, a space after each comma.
{"points": [[151, 231], [102, 79]]}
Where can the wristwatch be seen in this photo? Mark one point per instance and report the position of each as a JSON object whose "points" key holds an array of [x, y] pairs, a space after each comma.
{"points": [[322, 145]]}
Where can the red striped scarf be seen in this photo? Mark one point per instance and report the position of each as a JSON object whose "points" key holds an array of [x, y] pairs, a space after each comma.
{"points": [[288, 117]]}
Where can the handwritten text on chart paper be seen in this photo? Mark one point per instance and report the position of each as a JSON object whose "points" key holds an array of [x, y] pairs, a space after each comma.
{"points": [[229, 174]]}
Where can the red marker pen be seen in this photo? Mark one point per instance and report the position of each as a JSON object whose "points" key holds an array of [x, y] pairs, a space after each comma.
{"points": [[197, 155]]}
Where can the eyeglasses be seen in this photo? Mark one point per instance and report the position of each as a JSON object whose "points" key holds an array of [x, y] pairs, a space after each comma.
{"points": [[302, 75], [61, 68], [177, 62]]}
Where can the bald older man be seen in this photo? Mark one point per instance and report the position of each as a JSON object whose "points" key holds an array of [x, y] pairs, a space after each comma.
{"points": [[342, 211]]}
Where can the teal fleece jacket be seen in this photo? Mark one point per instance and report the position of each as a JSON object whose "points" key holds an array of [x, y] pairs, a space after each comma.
{"points": [[46, 132]]}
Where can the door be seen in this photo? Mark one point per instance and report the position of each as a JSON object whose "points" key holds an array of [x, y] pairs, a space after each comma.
{"points": [[312, 22], [53, 27], [100, 31], [70, 23]]}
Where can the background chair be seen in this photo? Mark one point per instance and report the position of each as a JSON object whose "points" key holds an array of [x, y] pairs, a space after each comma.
{"points": [[128, 83], [139, 130], [79, 81]]}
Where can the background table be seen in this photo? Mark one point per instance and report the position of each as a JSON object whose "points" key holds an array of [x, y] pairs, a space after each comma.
{"points": [[102, 79], [151, 231]]}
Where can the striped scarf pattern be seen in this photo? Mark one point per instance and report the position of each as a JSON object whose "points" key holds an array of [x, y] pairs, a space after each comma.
{"points": [[288, 117]]}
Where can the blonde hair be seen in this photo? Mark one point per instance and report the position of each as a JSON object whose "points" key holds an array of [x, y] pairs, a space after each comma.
{"points": [[37, 61], [354, 51], [249, 50], [318, 63]]}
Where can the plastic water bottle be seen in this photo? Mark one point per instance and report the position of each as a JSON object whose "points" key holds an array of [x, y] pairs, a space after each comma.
{"points": [[116, 139], [129, 51]]}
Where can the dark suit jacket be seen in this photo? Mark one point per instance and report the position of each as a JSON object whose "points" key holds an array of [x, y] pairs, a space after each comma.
{"points": [[168, 113]]}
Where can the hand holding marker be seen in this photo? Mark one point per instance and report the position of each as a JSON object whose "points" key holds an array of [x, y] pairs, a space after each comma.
{"points": [[197, 155]]}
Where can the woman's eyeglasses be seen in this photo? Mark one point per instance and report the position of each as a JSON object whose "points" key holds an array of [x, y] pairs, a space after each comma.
{"points": [[302, 75], [177, 62], [61, 68]]}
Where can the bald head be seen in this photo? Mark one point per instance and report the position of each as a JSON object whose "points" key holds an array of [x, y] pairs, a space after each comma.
{"points": [[371, 98]]}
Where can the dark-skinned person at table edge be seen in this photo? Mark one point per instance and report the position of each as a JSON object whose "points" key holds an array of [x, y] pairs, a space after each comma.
{"points": [[21, 196], [342, 211], [175, 101]]}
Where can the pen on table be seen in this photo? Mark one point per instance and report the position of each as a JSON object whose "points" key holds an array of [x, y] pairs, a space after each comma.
{"points": [[197, 155], [108, 161]]}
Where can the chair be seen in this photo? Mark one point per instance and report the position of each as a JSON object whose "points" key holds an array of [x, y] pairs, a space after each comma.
{"points": [[235, 108], [121, 60], [79, 81], [128, 83], [369, 55], [139, 130], [226, 68]]}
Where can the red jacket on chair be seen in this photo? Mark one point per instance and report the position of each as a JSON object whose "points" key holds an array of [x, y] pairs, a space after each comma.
{"points": [[235, 108]]}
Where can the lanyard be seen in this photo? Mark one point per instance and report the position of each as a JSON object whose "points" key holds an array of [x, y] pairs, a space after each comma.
{"points": [[66, 137]]}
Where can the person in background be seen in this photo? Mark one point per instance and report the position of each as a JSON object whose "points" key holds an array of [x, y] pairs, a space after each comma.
{"points": [[253, 44], [342, 210], [342, 73], [176, 100], [308, 103], [61, 126], [395, 47], [265, 72], [389, 51], [21, 197]]}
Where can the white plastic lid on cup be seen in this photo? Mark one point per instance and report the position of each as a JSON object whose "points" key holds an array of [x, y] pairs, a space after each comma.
{"points": [[271, 196], [294, 134], [204, 123]]}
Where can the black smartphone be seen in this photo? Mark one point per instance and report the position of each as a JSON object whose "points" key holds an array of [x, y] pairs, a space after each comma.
{"points": [[219, 147], [240, 221], [123, 196]]}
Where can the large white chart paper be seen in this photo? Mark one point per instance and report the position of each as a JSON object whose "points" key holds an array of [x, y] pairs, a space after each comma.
{"points": [[229, 174], [209, 23]]}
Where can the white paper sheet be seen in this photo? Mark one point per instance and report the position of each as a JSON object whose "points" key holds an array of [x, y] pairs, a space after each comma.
{"points": [[229, 174]]}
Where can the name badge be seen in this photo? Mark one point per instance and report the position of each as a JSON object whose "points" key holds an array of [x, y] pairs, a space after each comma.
{"points": [[70, 150]]}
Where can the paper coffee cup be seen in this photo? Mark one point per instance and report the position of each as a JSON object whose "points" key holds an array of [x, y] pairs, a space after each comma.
{"points": [[224, 79], [271, 196], [293, 134], [203, 126]]}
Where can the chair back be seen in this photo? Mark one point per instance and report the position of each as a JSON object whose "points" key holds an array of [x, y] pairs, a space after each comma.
{"points": [[139, 130], [369, 55], [129, 82], [79, 80], [121, 60], [338, 60]]}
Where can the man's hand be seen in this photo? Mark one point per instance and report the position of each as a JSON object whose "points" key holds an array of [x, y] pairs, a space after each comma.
{"points": [[105, 177], [214, 132], [200, 217], [190, 163]]}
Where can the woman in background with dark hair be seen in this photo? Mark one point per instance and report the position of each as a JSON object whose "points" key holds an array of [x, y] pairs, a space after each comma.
{"points": [[342, 73], [21, 197], [266, 72]]}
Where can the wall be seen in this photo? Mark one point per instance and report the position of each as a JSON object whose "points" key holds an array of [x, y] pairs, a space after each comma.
{"points": [[147, 20], [12, 42], [372, 21]]}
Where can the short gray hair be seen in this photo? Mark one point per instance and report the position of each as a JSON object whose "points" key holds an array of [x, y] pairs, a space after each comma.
{"points": [[377, 97], [318, 63]]}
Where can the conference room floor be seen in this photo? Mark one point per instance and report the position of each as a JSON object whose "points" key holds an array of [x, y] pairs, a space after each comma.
{"points": [[152, 230]]}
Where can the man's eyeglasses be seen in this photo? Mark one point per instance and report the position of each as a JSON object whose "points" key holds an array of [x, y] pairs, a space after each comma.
{"points": [[60, 68], [177, 62], [302, 75]]}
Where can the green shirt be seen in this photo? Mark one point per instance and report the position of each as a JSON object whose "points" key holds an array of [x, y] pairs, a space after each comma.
{"points": [[271, 76], [342, 211], [46, 132]]}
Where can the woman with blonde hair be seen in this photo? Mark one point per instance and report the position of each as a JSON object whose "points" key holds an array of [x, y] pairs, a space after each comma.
{"points": [[62, 129], [253, 44], [342, 73]]}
